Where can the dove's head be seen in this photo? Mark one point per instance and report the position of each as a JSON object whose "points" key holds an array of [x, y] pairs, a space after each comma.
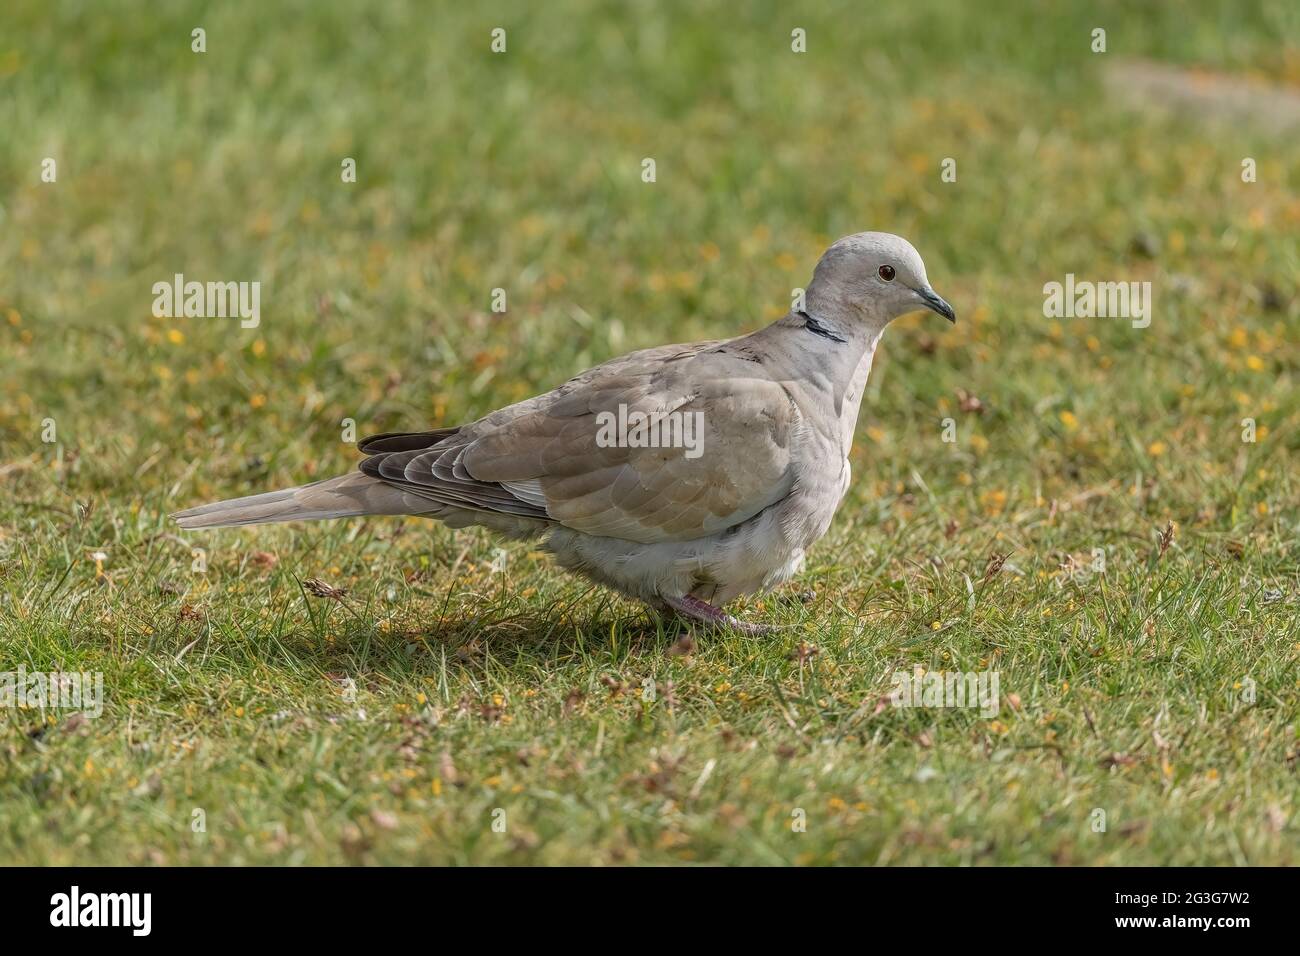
{"points": [[877, 276]]}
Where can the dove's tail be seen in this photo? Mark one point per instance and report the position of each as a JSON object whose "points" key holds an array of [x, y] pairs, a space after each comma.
{"points": [[343, 497]]}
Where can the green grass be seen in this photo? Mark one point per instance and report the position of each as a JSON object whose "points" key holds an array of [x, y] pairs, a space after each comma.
{"points": [[526, 690]]}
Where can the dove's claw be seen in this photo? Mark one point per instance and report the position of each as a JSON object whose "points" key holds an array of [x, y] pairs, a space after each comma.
{"points": [[697, 610]]}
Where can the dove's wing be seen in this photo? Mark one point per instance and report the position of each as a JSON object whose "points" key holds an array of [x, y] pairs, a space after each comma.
{"points": [[547, 457]]}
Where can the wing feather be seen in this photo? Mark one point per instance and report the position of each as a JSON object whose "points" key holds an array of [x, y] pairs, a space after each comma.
{"points": [[548, 458]]}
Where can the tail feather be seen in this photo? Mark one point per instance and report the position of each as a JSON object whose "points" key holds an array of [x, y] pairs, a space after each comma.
{"points": [[342, 497]]}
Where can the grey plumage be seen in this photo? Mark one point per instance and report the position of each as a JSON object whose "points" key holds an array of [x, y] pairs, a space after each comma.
{"points": [[776, 408]]}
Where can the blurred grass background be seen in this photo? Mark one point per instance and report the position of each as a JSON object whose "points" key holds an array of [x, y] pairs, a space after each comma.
{"points": [[522, 171]]}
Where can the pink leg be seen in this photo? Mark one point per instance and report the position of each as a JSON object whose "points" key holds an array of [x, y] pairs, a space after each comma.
{"points": [[697, 610]]}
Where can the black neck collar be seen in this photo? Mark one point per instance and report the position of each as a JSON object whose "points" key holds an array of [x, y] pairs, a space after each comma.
{"points": [[816, 328]]}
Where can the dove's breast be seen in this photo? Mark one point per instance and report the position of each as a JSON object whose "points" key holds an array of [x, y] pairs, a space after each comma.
{"points": [[751, 556], [809, 448]]}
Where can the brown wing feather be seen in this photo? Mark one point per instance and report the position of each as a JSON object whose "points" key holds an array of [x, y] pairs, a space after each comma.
{"points": [[541, 458]]}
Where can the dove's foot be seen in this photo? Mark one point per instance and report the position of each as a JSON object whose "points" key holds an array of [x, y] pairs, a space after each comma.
{"points": [[696, 610]]}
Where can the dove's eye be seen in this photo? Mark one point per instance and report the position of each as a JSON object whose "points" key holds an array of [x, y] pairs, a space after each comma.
{"points": [[886, 273]]}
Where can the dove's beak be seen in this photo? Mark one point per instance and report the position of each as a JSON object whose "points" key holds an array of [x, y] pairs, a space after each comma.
{"points": [[934, 303]]}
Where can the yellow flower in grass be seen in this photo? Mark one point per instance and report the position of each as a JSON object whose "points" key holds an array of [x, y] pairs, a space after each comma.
{"points": [[1156, 449], [1068, 420]]}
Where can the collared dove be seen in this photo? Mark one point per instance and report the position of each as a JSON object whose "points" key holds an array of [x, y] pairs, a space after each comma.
{"points": [[689, 523]]}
